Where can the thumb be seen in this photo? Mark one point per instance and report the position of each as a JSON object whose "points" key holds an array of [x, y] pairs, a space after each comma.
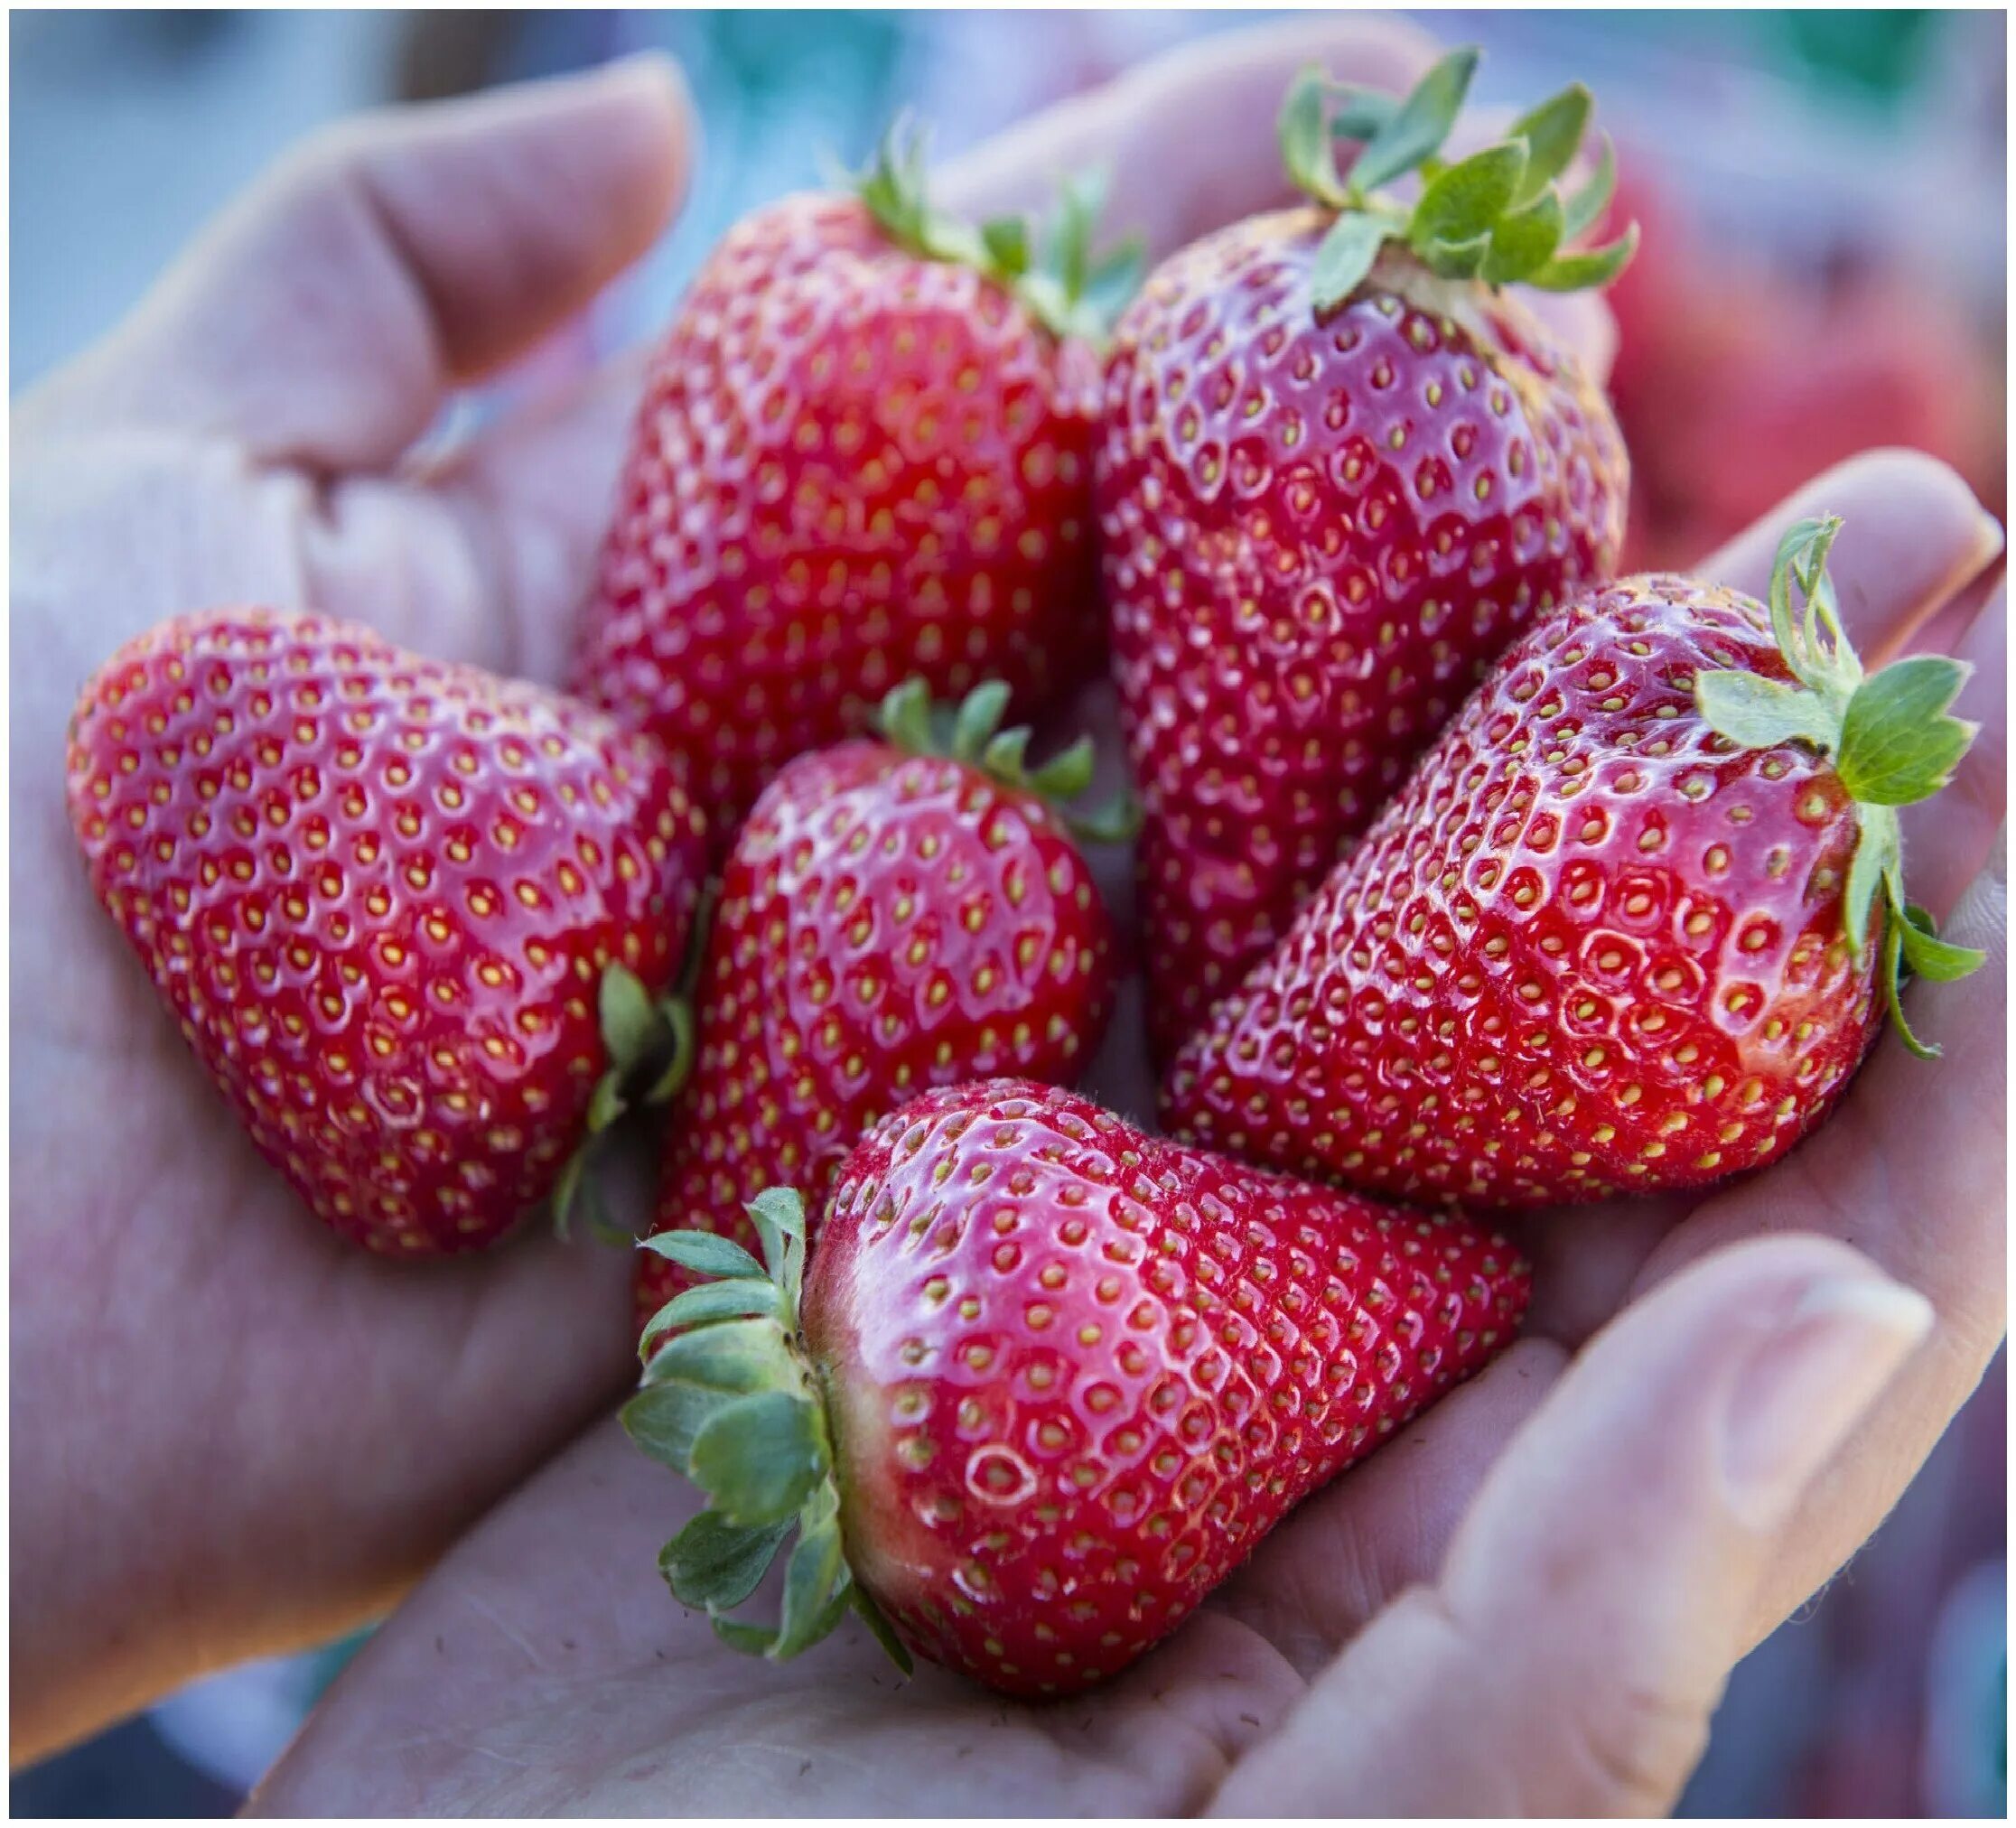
{"points": [[1596, 1598], [323, 317]]}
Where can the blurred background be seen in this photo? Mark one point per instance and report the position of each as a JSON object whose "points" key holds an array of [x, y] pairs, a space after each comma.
{"points": [[1825, 269]]}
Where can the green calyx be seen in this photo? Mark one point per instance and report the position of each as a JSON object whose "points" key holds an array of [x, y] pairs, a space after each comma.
{"points": [[728, 1399], [650, 1046], [971, 733], [1497, 216], [1056, 274], [1889, 735]]}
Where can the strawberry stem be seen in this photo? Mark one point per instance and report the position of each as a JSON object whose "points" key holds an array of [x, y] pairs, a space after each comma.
{"points": [[971, 733], [1496, 216], [1071, 292], [1889, 736], [730, 1400]]}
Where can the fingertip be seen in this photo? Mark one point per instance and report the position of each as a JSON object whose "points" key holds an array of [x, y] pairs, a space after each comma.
{"points": [[1913, 535], [646, 95]]}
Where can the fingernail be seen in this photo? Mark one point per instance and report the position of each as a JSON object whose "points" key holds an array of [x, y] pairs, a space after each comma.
{"points": [[1807, 1385]]}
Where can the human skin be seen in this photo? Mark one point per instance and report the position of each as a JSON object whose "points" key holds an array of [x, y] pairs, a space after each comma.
{"points": [[232, 1435]]}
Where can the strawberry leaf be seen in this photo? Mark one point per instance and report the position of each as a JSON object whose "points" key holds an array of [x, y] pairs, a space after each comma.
{"points": [[752, 1640], [778, 1214], [1361, 113], [1599, 266], [1524, 240], [1588, 204], [758, 1457], [1418, 127], [1344, 258], [1115, 821], [705, 1253], [1877, 851], [1067, 773], [605, 1103], [1897, 745], [732, 1301], [1456, 259], [714, 1564], [1006, 241], [676, 1014], [567, 1192], [1306, 151], [665, 1419], [741, 1356], [979, 716], [1931, 958], [884, 1633], [1114, 278], [629, 1021], [1551, 131], [1467, 200], [1756, 713], [812, 1575]]}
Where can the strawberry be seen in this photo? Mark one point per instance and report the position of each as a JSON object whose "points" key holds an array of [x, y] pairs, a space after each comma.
{"points": [[1340, 469], [1615, 933], [865, 452], [1055, 1379], [891, 918], [387, 899]]}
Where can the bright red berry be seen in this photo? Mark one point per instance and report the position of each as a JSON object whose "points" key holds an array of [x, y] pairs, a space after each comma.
{"points": [[1055, 1378], [381, 894], [890, 919], [1607, 939], [1330, 490], [865, 452]]}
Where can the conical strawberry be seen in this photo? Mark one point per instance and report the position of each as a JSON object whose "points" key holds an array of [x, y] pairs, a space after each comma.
{"points": [[1340, 469], [895, 915], [1631, 924], [1055, 1379], [410, 916], [865, 452]]}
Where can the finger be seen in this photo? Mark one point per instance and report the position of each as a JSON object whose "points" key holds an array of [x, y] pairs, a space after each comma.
{"points": [[324, 317], [1585, 1257], [1949, 838], [1913, 535], [1568, 1659], [1909, 1171], [531, 500], [1348, 1551], [1189, 138]]}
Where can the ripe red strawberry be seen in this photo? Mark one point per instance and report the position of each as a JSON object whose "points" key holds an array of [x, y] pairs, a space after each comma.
{"points": [[890, 919], [385, 896], [865, 452], [1603, 939], [1340, 471], [1055, 1378]]}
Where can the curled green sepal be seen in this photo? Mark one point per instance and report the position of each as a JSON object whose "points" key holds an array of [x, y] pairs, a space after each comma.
{"points": [[1070, 288], [650, 1045], [1497, 215], [729, 1400], [971, 733], [1890, 737]]}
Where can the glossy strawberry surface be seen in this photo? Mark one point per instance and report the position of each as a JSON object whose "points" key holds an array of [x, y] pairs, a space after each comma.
{"points": [[888, 923], [1591, 946], [378, 891], [853, 464], [1074, 1372], [1317, 532]]}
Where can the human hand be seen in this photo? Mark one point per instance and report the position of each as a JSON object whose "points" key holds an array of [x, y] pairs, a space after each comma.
{"points": [[1458, 1625], [233, 1433]]}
